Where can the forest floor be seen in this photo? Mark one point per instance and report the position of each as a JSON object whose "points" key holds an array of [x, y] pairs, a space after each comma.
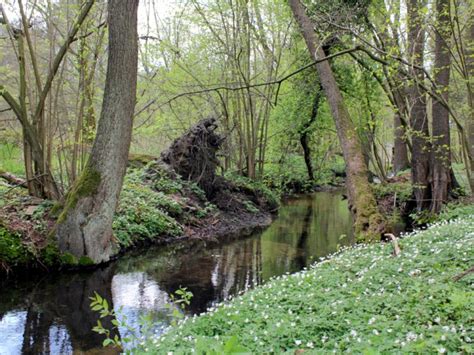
{"points": [[154, 208], [363, 299]]}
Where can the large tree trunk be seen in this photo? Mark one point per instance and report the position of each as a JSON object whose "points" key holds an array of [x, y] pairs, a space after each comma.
{"points": [[84, 228], [400, 151], [441, 183], [368, 223], [470, 91], [420, 161]]}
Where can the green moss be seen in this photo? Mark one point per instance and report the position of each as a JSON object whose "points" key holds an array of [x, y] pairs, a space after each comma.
{"points": [[56, 209], [85, 261], [86, 186], [139, 160], [68, 259]]}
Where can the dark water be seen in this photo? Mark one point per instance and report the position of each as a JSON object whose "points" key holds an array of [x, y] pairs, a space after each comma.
{"points": [[52, 314]]}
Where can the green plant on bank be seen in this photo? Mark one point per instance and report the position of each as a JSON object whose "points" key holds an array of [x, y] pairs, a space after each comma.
{"points": [[449, 211], [250, 207], [401, 191], [12, 250], [258, 188], [181, 298], [209, 208], [362, 300], [142, 214], [178, 303]]}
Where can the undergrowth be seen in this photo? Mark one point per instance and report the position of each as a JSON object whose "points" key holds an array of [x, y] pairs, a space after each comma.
{"points": [[363, 300]]}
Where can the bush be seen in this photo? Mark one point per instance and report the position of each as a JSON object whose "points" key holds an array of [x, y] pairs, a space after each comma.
{"points": [[363, 300], [12, 250]]}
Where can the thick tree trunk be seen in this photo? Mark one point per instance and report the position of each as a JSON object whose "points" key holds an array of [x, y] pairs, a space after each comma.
{"points": [[441, 183], [420, 163], [400, 151], [470, 92], [84, 228], [368, 223]]}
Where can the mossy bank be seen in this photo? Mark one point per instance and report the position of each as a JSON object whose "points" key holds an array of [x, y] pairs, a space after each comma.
{"points": [[155, 207]]}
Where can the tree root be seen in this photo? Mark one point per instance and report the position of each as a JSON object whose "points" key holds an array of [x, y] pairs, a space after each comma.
{"points": [[396, 247]]}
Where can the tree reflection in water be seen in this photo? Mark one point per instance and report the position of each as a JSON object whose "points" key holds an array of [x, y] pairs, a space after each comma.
{"points": [[52, 315]]}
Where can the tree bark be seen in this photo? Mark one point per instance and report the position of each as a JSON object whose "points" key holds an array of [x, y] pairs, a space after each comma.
{"points": [[368, 222], [420, 160], [441, 183], [470, 91], [400, 151], [84, 228], [304, 135]]}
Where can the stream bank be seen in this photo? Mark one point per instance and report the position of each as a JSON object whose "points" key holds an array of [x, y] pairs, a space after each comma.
{"points": [[154, 209], [178, 196], [52, 311], [360, 300]]}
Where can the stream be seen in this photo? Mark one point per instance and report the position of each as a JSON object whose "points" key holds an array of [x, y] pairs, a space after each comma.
{"points": [[51, 313]]}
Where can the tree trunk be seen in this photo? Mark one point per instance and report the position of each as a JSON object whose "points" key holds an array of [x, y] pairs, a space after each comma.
{"points": [[400, 151], [84, 228], [470, 91], [368, 223], [441, 183], [420, 161], [304, 135]]}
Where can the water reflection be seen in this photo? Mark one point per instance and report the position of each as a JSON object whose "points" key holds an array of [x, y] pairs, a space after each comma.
{"points": [[52, 315]]}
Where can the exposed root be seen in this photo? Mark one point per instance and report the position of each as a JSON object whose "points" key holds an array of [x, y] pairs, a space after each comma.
{"points": [[396, 247]]}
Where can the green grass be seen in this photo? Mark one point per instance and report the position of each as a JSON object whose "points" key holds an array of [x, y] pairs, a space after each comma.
{"points": [[11, 159], [363, 300]]}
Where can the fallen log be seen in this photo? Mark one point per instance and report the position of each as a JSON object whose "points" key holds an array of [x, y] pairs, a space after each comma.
{"points": [[12, 179]]}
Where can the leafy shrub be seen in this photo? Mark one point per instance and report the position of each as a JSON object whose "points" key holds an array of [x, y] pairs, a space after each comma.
{"points": [[12, 250]]}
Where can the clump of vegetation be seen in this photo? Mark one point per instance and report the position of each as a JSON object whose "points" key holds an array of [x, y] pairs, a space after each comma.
{"points": [[456, 210], [12, 251], [256, 188], [144, 213], [392, 199], [363, 300], [452, 210]]}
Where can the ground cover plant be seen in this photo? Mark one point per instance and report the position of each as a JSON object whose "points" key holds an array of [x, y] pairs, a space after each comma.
{"points": [[362, 300]]}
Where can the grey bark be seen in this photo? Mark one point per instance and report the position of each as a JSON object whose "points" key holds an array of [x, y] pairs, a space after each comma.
{"points": [[420, 160], [305, 135], [441, 183], [400, 150], [84, 228]]}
